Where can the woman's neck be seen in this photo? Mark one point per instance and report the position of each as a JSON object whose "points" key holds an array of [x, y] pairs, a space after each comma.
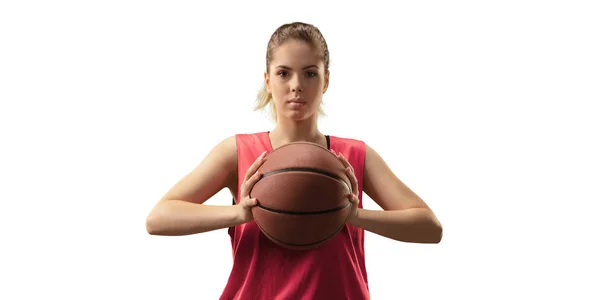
{"points": [[288, 131]]}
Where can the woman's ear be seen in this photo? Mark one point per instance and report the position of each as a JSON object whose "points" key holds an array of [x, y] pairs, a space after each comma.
{"points": [[326, 82], [267, 83]]}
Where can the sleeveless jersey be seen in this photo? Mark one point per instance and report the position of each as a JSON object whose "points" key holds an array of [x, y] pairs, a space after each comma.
{"points": [[263, 270]]}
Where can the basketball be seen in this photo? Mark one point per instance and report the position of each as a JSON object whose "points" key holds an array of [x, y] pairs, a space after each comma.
{"points": [[302, 196]]}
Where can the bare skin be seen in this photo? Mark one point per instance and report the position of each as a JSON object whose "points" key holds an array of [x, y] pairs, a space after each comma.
{"points": [[181, 211], [297, 74]]}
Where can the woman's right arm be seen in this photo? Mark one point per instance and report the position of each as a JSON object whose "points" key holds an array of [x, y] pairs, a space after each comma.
{"points": [[181, 210]]}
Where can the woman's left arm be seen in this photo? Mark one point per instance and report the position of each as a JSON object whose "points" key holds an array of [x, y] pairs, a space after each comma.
{"points": [[405, 216]]}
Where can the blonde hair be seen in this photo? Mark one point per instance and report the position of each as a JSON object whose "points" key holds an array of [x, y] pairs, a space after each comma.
{"points": [[297, 31]]}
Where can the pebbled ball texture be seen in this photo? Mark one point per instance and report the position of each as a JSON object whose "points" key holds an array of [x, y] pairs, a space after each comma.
{"points": [[302, 196]]}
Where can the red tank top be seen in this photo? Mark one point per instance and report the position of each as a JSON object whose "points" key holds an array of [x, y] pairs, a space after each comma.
{"points": [[264, 271]]}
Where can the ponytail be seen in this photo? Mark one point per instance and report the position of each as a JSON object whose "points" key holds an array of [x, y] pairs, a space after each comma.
{"points": [[263, 99]]}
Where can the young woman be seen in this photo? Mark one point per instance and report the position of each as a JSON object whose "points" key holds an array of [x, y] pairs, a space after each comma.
{"points": [[296, 77]]}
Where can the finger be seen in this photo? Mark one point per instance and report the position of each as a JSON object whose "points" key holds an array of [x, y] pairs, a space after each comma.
{"points": [[248, 184], [255, 165], [353, 180], [343, 160], [258, 162], [353, 198], [334, 152]]}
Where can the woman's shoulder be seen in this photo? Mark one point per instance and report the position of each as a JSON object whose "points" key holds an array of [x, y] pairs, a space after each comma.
{"points": [[225, 150]]}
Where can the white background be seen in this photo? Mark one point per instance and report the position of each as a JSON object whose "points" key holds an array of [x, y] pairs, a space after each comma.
{"points": [[486, 109]]}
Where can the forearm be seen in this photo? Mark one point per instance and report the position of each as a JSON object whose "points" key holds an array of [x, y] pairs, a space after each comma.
{"points": [[176, 217], [415, 225]]}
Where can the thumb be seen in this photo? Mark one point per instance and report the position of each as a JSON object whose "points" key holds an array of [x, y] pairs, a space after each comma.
{"points": [[250, 202]]}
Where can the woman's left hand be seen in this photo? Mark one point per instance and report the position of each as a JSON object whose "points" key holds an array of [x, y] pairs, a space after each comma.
{"points": [[353, 196]]}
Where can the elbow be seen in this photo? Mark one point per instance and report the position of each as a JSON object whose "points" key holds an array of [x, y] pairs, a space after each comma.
{"points": [[150, 227], [155, 221], [436, 234], [436, 231], [153, 225], [430, 235]]}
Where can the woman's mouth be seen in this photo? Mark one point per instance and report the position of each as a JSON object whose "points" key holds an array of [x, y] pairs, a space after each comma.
{"points": [[296, 103]]}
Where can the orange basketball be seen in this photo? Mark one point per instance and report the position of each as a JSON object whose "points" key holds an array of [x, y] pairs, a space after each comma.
{"points": [[302, 196]]}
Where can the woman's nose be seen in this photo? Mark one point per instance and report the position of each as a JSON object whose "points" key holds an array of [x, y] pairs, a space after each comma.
{"points": [[296, 85]]}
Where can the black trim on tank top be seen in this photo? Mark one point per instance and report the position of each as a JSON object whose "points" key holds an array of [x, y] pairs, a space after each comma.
{"points": [[328, 148], [326, 138]]}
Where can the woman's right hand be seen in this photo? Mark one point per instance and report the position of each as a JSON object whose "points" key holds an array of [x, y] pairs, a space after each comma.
{"points": [[252, 176]]}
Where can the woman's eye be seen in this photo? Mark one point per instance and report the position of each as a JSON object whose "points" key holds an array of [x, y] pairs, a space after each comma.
{"points": [[309, 74]]}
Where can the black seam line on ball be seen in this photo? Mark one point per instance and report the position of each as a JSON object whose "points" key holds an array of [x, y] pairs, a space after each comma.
{"points": [[310, 170], [319, 212], [303, 245]]}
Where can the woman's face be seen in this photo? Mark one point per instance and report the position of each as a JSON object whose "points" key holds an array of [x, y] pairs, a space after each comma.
{"points": [[296, 80]]}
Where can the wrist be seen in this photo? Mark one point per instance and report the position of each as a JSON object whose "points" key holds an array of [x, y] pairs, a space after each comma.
{"points": [[355, 220], [244, 214], [239, 216]]}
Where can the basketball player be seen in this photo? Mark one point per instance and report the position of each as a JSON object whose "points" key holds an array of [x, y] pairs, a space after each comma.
{"points": [[296, 77]]}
